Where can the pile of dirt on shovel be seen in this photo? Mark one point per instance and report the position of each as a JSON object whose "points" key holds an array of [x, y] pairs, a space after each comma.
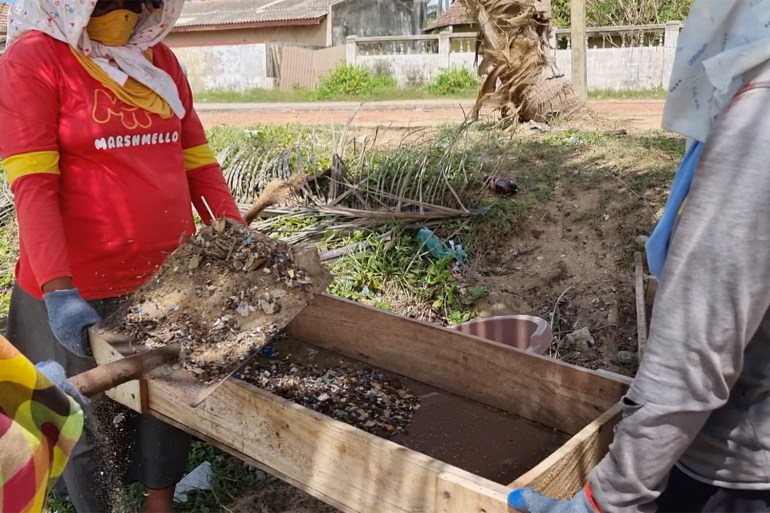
{"points": [[223, 294]]}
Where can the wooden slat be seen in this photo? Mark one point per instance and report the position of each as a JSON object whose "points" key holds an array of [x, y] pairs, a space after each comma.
{"points": [[651, 290], [565, 471], [132, 394], [641, 306], [251, 461], [552, 393], [331, 459]]}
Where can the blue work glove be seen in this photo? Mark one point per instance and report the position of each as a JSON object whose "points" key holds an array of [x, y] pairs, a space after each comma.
{"points": [[69, 315], [528, 500], [56, 375]]}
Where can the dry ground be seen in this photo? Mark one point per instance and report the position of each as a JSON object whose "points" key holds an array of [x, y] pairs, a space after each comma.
{"points": [[637, 114]]}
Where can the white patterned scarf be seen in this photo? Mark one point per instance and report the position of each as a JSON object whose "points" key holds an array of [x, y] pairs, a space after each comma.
{"points": [[66, 20], [721, 42]]}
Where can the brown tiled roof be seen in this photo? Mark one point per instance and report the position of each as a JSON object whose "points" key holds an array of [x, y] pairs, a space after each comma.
{"points": [[235, 12], [455, 15], [4, 8]]}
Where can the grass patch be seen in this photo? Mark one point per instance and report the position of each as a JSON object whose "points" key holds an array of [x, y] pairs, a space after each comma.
{"points": [[8, 255], [396, 274], [257, 96], [625, 94], [307, 95]]}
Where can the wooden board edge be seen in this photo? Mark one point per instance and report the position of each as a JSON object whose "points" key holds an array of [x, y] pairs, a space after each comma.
{"points": [[556, 394], [132, 394], [565, 471], [333, 461], [253, 462], [457, 494], [641, 306]]}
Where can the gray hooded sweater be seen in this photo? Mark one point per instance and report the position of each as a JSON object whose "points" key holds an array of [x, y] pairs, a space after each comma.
{"points": [[701, 399]]}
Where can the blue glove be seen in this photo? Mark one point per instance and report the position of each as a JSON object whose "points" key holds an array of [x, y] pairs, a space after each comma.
{"points": [[69, 315], [56, 375], [528, 500]]}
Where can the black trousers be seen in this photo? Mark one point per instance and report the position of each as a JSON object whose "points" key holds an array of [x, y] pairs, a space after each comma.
{"points": [[118, 446], [684, 494]]}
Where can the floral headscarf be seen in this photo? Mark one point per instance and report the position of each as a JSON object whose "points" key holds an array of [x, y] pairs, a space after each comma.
{"points": [[65, 20], [720, 43]]}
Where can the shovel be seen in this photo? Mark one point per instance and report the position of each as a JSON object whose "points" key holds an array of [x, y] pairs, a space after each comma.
{"points": [[184, 385], [110, 375]]}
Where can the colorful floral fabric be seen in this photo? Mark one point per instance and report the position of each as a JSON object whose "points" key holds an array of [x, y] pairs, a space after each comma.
{"points": [[39, 426]]}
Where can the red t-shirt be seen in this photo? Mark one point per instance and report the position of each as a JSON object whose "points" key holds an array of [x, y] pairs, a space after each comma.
{"points": [[119, 199]]}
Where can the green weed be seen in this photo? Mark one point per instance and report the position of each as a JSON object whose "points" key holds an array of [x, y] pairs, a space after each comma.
{"points": [[399, 275], [353, 81], [453, 81]]}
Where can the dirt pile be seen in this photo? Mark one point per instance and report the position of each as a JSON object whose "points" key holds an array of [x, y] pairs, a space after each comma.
{"points": [[223, 294], [365, 398]]}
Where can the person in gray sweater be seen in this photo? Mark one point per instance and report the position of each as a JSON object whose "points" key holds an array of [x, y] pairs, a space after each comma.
{"points": [[695, 435]]}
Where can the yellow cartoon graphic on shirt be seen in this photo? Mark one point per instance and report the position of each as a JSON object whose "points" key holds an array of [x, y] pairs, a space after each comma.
{"points": [[107, 107]]}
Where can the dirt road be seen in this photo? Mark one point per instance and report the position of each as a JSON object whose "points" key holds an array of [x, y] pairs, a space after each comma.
{"points": [[629, 114]]}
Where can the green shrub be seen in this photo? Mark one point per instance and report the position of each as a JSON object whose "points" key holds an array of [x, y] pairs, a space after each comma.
{"points": [[353, 81], [603, 13], [453, 81]]}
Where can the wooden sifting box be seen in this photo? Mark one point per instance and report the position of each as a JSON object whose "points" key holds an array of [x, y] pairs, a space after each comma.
{"points": [[358, 472]]}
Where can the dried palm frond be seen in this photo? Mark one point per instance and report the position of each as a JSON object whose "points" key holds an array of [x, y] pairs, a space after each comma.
{"points": [[6, 203], [521, 80], [425, 180], [277, 191]]}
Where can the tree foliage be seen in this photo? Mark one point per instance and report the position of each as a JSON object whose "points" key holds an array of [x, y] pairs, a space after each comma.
{"points": [[603, 13]]}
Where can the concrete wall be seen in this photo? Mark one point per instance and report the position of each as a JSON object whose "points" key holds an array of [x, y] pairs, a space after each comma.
{"points": [[629, 68], [225, 67], [634, 68], [617, 68], [408, 70], [313, 35], [366, 18]]}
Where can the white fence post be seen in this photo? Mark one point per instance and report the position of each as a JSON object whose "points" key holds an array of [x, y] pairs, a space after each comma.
{"points": [[444, 47], [670, 41], [351, 50]]}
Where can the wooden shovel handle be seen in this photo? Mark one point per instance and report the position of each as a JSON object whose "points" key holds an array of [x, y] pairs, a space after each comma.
{"points": [[110, 375]]}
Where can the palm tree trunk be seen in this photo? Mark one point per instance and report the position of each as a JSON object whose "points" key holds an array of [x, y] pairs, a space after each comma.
{"points": [[521, 79]]}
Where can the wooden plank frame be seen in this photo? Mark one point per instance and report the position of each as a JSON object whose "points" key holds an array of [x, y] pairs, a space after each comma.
{"points": [[641, 307], [107, 349], [360, 473]]}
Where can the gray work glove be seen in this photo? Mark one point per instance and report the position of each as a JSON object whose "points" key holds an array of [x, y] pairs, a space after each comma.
{"points": [[55, 373], [69, 315]]}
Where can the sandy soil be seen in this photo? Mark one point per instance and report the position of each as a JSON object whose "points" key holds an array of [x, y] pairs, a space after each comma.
{"points": [[631, 114]]}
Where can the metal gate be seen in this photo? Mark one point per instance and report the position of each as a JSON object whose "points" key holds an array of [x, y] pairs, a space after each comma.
{"points": [[296, 66]]}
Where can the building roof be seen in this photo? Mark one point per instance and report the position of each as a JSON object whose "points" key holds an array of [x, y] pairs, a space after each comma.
{"points": [[212, 13], [455, 15]]}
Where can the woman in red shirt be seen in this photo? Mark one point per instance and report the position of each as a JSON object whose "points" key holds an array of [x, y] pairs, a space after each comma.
{"points": [[105, 155]]}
